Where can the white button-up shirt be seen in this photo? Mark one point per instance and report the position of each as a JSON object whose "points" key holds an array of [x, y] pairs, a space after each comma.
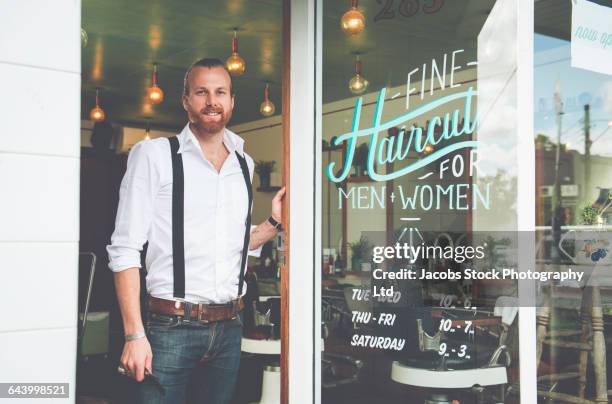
{"points": [[215, 214]]}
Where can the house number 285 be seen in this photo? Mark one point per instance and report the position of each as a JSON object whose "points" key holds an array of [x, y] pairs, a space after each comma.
{"points": [[407, 8]]}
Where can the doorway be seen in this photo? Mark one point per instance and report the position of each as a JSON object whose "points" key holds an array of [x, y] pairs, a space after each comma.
{"points": [[123, 56]]}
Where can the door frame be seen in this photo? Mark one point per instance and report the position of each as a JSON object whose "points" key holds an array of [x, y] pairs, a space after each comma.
{"points": [[526, 200], [298, 304]]}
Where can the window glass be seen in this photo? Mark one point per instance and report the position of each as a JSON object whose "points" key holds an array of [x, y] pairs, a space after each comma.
{"points": [[573, 178], [419, 145]]}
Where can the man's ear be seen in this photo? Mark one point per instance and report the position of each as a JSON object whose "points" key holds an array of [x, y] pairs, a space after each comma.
{"points": [[184, 102], [233, 98]]}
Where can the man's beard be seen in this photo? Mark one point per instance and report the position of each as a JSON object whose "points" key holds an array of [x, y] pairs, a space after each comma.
{"points": [[211, 127]]}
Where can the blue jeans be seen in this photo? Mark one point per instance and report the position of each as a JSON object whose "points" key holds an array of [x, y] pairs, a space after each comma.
{"points": [[179, 347]]}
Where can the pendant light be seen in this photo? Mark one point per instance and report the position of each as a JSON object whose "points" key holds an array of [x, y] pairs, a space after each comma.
{"points": [[154, 93], [97, 114], [235, 64], [267, 107], [358, 83], [353, 21]]}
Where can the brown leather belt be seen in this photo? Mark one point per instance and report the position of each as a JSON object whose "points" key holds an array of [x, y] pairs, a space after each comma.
{"points": [[201, 312]]}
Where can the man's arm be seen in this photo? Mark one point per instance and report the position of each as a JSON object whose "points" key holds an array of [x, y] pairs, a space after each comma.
{"points": [[265, 231], [137, 355], [134, 215], [127, 286], [261, 234]]}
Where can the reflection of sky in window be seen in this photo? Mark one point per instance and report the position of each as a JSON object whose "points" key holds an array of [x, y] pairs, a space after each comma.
{"points": [[578, 87]]}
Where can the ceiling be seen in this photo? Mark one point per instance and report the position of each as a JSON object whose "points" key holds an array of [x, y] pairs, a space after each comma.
{"points": [[394, 46], [554, 17], [125, 38]]}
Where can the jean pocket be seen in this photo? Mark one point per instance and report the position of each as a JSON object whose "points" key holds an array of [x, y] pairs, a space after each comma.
{"points": [[163, 320]]}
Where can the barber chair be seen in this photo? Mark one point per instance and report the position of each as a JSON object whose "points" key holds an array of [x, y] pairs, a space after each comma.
{"points": [[271, 382], [449, 372], [92, 338], [93, 327], [261, 337]]}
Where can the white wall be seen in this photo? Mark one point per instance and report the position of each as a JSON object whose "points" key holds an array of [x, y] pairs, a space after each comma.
{"points": [[39, 174]]}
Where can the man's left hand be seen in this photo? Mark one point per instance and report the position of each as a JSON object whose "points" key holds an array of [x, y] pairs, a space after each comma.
{"points": [[277, 205]]}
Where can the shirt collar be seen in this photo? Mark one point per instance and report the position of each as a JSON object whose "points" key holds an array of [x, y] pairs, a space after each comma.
{"points": [[232, 141]]}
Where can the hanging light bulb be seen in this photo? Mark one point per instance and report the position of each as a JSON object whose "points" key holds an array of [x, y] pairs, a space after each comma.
{"points": [[97, 114], [353, 21], [154, 93], [267, 107], [147, 131], [358, 84], [235, 64]]}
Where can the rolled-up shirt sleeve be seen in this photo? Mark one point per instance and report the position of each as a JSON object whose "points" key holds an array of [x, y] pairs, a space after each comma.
{"points": [[137, 193]]}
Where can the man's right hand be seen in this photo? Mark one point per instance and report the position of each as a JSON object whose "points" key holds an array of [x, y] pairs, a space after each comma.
{"points": [[136, 357]]}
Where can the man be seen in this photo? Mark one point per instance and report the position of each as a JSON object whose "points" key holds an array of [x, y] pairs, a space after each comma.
{"points": [[189, 197]]}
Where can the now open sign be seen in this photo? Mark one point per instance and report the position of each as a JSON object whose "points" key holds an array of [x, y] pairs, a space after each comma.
{"points": [[592, 36]]}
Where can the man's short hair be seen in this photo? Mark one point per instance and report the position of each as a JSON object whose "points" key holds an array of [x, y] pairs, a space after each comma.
{"points": [[209, 63]]}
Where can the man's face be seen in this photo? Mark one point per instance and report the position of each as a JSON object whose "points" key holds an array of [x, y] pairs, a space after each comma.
{"points": [[209, 103]]}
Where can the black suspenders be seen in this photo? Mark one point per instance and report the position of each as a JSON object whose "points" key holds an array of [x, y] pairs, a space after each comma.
{"points": [[247, 230], [178, 219]]}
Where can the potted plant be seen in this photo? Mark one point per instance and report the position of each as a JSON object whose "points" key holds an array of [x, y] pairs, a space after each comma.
{"points": [[359, 251], [263, 170], [589, 215]]}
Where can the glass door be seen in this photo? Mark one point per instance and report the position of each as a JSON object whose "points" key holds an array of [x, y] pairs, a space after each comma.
{"points": [[421, 142]]}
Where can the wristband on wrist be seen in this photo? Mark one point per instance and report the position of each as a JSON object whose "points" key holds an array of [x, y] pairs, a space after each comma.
{"points": [[274, 223], [136, 335]]}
